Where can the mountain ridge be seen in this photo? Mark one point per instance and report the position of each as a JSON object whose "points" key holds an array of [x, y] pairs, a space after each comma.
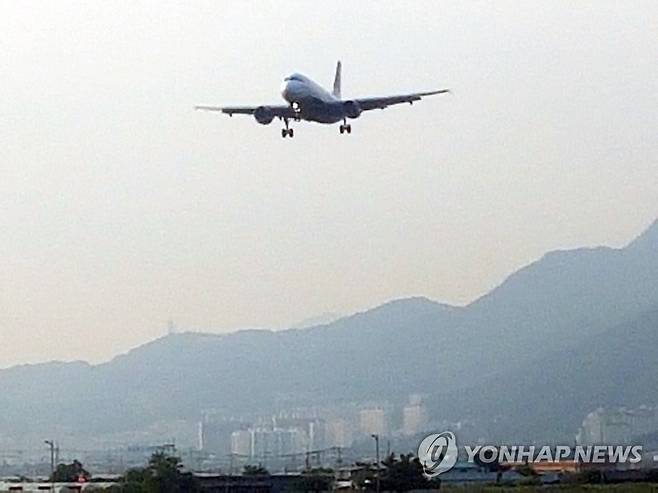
{"points": [[403, 346], [648, 238]]}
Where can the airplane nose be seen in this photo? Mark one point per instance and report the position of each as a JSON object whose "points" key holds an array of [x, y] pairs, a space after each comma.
{"points": [[292, 90], [286, 90]]}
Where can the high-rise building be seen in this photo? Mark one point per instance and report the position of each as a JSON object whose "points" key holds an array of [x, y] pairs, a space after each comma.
{"points": [[339, 433], [414, 419], [373, 421], [619, 426], [314, 429], [264, 443], [241, 443], [215, 436]]}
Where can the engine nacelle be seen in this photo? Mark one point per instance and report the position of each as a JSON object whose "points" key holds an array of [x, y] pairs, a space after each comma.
{"points": [[264, 115], [352, 109]]}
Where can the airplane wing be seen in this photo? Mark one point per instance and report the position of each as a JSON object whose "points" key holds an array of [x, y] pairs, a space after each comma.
{"points": [[278, 111], [384, 102]]}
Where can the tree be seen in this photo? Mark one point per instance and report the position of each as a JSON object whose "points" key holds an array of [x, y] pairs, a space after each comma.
{"points": [[493, 466], [163, 474], [364, 476], [315, 480], [252, 470], [70, 473], [404, 474], [133, 480]]}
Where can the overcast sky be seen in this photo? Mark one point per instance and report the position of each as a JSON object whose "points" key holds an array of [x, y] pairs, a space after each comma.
{"points": [[122, 207]]}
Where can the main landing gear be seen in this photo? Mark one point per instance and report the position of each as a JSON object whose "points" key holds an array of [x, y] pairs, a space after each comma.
{"points": [[287, 132], [345, 127]]}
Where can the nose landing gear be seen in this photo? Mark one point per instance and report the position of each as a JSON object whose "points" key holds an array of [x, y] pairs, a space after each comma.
{"points": [[345, 127], [287, 132]]}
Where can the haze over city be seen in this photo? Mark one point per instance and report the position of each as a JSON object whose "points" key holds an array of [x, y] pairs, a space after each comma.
{"points": [[123, 208]]}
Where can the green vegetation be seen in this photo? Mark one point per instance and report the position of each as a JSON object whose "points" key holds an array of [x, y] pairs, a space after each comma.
{"points": [[404, 473], [162, 475], [70, 473], [398, 474], [252, 470], [315, 480]]}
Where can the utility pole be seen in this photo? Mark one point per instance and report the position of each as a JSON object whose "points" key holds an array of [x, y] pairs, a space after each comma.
{"points": [[230, 473], [376, 437], [51, 444]]}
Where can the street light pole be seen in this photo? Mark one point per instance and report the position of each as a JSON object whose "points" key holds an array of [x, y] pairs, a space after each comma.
{"points": [[51, 444], [376, 437]]}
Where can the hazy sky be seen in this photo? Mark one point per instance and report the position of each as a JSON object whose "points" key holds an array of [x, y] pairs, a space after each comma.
{"points": [[121, 207]]}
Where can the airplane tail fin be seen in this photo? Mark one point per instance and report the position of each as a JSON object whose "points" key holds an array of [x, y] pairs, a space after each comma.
{"points": [[337, 81]]}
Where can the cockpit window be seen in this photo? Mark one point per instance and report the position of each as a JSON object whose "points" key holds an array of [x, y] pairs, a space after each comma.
{"points": [[294, 77]]}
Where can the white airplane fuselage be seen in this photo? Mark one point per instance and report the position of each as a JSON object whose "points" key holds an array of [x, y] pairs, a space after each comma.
{"points": [[312, 101]]}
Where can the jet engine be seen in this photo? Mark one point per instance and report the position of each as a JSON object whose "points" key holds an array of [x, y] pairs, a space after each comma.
{"points": [[352, 109], [264, 115]]}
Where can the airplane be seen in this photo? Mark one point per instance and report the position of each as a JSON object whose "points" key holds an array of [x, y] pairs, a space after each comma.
{"points": [[309, 101]]}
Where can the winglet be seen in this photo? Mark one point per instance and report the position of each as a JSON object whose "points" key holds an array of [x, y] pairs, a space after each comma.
{"points": [[337, 80]]}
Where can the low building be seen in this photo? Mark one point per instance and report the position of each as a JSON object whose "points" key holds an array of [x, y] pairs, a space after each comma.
{"points": [[222, 483]]}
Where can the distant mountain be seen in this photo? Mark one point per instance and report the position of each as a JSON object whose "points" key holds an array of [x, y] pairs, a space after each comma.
{"points": [[563, 304], [324, 319], [549, 398], [568, 295], [647, 241]]}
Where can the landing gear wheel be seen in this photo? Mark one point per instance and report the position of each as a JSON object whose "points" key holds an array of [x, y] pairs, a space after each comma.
{"points": [[348, 128], [342, 129], [287, 131]]}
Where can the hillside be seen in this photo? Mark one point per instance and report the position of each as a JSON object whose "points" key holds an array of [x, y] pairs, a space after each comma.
{"points": [[615, 368], [528, 332]]}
